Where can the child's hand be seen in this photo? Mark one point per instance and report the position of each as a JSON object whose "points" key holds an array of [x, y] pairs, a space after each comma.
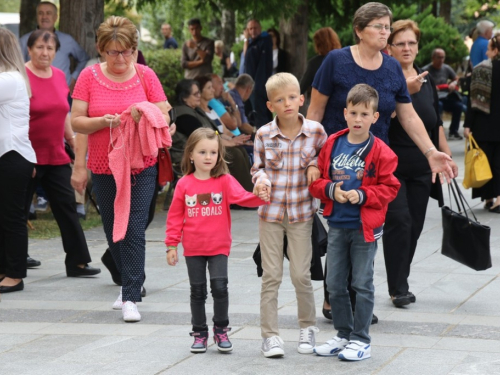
{"points": [[339, 193], [263, 192], [352, 196], [312, 174], [172, 258]]}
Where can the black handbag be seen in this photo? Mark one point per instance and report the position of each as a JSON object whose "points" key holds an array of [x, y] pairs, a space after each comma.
{"points": [[464, 240], [319, 240]]}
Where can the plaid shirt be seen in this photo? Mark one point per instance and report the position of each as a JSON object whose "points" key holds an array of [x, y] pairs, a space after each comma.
{"points": [[283, 162]]}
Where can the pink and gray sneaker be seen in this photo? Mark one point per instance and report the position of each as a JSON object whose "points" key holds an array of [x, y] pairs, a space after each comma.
{"points": [[200, 342], [222, 340]]}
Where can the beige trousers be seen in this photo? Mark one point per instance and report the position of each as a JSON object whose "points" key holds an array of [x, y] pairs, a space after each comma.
{"points": [[299, 253]]}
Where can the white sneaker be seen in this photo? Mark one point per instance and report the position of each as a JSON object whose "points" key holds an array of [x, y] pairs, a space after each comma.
{"points": [[130, 312], [119, 302], [273, 347], [356, 351], [331, 347], [307, 340], [41, 204]]}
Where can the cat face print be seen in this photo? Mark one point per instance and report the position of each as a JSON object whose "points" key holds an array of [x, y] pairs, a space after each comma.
{"points": [[190, 201], [204, 199], [217, 198]]}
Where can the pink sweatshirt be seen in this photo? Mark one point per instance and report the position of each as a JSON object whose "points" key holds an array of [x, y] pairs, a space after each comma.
{"points": [[132, 143], [200, 217]]}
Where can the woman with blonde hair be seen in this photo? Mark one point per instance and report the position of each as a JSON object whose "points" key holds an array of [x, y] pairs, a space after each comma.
{"points": [[17, 160], [110, 101]]}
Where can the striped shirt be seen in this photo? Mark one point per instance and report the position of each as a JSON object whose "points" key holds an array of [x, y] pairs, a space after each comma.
{"points": [[283, 161]]}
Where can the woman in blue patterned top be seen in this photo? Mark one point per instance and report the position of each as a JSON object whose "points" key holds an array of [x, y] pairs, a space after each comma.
{"points": [[365, 63]]}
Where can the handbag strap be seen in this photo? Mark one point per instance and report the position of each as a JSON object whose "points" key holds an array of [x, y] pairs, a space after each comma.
{"points": [[460, 199], [141, 78]]}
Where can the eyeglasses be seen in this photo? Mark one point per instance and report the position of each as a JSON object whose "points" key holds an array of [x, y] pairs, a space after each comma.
{"points": [[381, 27], [404, 44], [197, 93], [125, 53]]}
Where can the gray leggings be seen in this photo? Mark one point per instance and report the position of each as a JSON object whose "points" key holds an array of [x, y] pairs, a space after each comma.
{"points": [[197, 270]]}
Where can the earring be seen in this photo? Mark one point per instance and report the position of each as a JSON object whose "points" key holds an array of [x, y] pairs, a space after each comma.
{"points": [[192, 161]]}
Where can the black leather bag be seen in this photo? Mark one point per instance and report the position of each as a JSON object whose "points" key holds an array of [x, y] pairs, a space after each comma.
{"points": [[464, 240], [319, 240]]}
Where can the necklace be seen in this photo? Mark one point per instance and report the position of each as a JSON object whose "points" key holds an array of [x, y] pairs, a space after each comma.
{"points": [[359, 56]]}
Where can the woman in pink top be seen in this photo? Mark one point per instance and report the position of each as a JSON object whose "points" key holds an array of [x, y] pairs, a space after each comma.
{"points": [[105, 95], [49, 126]]}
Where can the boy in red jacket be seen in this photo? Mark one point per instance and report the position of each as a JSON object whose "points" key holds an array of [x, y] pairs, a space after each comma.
{"points": [[355, 187]]}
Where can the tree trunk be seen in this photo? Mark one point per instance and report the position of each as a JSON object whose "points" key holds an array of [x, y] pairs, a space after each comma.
{"points": [[445, 10], [28, 16], [81, 19], [228, 31], [294, 40]]}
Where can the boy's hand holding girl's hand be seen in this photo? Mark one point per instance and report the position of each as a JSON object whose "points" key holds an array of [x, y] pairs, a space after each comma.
{"points": [[263, 192], [312, 174], [342, 196], [172, 257]]}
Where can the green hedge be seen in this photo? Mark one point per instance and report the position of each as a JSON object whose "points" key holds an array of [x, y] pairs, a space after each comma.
{"points": [[167, 65]]}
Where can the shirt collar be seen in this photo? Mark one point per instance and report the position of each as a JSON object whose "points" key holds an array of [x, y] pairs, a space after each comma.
{"points": [[305, 129]]}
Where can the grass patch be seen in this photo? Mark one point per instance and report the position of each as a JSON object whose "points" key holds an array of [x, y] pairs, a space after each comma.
{"points": [[45, 226]]}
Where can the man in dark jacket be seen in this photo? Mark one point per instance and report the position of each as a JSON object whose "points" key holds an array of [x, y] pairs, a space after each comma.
{"points": [[259, 65]]}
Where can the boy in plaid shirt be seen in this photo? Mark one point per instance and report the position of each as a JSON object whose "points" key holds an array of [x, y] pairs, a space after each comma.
{"points": [[285, 155]]}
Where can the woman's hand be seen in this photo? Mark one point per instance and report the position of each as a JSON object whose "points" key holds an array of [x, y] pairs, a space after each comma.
{"points": [[71, 143], [79, 179], [454, 168], [467, 132], [172, 128], [240, 140], [136, 114], [112, 120], [415, 83], [440, 165]]}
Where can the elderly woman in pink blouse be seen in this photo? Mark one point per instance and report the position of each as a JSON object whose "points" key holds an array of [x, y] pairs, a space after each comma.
{"points": [[105, 96]]}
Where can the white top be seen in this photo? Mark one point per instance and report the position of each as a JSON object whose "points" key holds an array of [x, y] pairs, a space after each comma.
{"points": [[212, 115], [15, 116]]}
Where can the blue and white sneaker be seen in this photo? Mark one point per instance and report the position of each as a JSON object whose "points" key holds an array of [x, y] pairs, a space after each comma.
{"points": [[356, 351], [331, 347]]}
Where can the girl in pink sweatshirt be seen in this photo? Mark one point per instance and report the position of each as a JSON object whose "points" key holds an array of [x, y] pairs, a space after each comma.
{"points": [[199, 216]]}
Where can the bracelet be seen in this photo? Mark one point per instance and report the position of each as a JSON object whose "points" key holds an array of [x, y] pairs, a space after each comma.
{"points": [[171, 248], [429, 150]]}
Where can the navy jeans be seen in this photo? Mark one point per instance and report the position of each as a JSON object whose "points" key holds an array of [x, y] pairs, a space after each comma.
{"points": [[347, 249]]}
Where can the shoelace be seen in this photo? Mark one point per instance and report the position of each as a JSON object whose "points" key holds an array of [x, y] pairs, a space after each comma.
{"points": [[306, 334], [199, 340], [222, 336], [273, 342]]}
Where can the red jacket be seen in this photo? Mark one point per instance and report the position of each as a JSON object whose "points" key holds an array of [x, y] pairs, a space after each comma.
{"points": [[378, 188]]}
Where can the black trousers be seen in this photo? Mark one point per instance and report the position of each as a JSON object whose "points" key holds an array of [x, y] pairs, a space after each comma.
{"points": [[55, 180], [16, 181], [197, 271], [405, 217]]}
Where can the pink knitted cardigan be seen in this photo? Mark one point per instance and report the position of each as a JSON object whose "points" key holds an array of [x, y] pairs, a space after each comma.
{"points": [[130, 142]]}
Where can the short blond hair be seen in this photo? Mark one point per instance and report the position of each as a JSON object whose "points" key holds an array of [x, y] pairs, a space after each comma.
{"points": [[279, 81], [117, 29]]}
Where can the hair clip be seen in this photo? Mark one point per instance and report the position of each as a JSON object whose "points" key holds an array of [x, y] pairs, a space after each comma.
{"points": [[216, 132]]}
